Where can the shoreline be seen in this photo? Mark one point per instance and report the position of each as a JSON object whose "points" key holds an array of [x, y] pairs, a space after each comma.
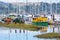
{"points": [[22, 26], [48, 35]]}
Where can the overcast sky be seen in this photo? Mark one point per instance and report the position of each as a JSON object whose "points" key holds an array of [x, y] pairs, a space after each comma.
{"points": [[50, 1]]}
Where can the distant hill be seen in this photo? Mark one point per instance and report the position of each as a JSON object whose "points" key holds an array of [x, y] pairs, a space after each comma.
{"points": [[41, 7], [31, 8], [6, 8]]}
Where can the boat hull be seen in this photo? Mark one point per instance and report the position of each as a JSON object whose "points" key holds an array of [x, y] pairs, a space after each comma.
{"points": [[40, 23]]}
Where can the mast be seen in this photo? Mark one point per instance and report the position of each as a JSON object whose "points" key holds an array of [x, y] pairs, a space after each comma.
{"points": [[38, 6], [17, 7], [42, 8]]}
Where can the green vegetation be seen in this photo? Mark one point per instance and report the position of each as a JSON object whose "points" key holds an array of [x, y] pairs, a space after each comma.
{"points": [[21, 26], [48, 35]]}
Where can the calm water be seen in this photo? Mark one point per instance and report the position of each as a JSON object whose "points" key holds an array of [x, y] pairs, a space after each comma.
{"points": [[19, 34]]}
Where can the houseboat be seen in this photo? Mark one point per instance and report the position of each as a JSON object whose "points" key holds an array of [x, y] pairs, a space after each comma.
{"points": [[40, 21]]}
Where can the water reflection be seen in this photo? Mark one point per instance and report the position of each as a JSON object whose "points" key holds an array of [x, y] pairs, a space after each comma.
{"points": [[19, 31], [44, 29], [56, 28], [19, 34]]}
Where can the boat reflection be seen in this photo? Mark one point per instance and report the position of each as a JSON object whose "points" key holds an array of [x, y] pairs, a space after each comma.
{"points": [[17, 31], [44, 29]]}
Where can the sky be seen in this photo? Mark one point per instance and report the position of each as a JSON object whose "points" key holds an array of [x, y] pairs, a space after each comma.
{"points": [[49, 1]]}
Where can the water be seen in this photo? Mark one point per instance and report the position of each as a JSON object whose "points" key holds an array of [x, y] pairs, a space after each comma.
{"points": [[19, 34]]}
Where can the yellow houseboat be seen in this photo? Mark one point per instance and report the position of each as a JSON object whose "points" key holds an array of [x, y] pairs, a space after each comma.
{"points": [[40, 21]]}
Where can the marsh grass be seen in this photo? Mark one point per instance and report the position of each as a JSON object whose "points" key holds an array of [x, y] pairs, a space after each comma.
{"points": [[48, 35], [21, 26]]}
